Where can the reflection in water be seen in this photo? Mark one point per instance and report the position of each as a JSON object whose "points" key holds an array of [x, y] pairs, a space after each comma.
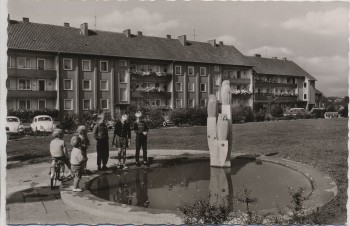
{"points": [[168, 187]]}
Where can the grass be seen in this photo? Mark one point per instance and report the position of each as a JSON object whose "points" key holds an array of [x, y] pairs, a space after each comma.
{"points": [[320, 143]]}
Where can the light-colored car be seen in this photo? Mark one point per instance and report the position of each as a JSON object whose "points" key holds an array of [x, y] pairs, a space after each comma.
{"points": [[13, 125], [42, 123], [296, 112]]}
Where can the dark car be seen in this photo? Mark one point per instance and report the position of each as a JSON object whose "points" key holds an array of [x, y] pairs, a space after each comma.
{"points": [[317, 112]]}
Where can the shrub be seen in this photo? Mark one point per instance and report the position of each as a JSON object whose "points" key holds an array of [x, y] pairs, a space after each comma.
{"points": [[190, 116], [242, 113], [69, 122], [277, 111]]}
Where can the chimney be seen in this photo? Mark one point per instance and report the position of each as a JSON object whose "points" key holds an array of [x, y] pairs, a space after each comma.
{"points": [[25, 19], [257, 55], [183, 40], [168, 36], [66, 24], [84, 29], [8, 18], [139, 33], [221, 43], [284, 58], [212, 42], [127, 33], [274, 58]]}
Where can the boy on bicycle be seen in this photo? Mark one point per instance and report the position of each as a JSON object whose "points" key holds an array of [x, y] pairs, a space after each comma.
{"points": [[58, 149], [85, 143], [121, 138]]}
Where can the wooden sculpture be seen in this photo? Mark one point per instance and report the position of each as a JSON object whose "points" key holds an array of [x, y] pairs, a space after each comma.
{"points": [[219, 128]]}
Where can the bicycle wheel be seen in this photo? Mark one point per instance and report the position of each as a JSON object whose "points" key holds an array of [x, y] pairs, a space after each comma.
{"points": [[61, 170], [53, 177]]}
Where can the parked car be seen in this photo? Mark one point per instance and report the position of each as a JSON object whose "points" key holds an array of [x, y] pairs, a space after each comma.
{"points": [[13, 126], [317, 112], [167, 121], [42, 123], [331, 115], [296, 112]]}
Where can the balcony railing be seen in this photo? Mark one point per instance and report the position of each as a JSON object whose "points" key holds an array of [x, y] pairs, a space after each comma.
{"points": [[275, 97], [237, 80], [25, 94], [150, 76], [164, 94], [262, 84], [30, 73]]}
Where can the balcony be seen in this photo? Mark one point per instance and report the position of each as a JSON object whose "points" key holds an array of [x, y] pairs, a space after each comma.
{"points": [[150, 76], [30, 73], [237, 80], [264, 84], [272, 97], [25, 94], [163, 94]]}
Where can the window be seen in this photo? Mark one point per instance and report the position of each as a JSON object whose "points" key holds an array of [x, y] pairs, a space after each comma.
{"points": [[67, 64], [203, 87], [156, 84], [86, 104], [122, 77], [122, 63], [191, 86], [86, 84], [305, 84], [133, 86], [104, 85], [41, 104], [68, 104], [217, 80], [203, 71], [41, 84], [24, 104], [104, 103], [190, 103], [146, 102], [305, 96], [146, 67], [190, 70], [216, 68], [41, 64], [24, 84], [178, 70], [9, 62], [68, 84], [203, 103], [158, 102], [178, 86], [103, 66], [145, 85], [238, 74], [123, 94], [178, 103], [24, 62], [86, 65]]}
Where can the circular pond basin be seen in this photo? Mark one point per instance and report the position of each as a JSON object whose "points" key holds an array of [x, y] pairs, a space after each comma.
{"points": [[166, 187]]}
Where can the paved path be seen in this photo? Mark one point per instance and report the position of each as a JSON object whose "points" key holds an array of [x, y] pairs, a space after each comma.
{"points": [[30, 199]]}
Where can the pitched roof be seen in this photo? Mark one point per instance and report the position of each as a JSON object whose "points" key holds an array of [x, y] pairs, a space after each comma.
{"points": [[318, 92], [270, 66], [53, 38]]}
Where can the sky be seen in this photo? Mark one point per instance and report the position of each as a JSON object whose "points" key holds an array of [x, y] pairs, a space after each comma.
{"points": [[312, 34]]}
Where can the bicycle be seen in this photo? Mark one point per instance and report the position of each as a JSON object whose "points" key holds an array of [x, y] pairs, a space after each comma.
{"points": [[56, 172]]}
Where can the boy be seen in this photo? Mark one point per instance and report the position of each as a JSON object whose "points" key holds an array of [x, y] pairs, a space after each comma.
{"points": [[141, 129], [77, 161], [58, 149], [85, 143], [100, 133], [122, 136]]}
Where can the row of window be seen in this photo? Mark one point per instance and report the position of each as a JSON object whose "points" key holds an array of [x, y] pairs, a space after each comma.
{"points": [[190, 103], [26, 63], [87, 104], [25, 84], [191, 87], [68, 84], [26, 104], [190, 70], [86, 65]]}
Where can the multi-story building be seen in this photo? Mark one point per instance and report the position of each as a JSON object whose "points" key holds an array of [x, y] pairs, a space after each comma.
{"points": [[79, 69]]}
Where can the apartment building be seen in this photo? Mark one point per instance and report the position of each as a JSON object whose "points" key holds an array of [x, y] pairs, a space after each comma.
{"points": [[79, 69]]}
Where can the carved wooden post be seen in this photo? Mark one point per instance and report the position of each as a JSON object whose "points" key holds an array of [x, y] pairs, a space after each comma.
{"points": [[219, 130]]}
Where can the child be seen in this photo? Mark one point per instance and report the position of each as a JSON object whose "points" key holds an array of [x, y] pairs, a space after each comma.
{"points": [[100, 133], [123, 134], [58, 149], [85, 143], [77, 161], [141, 129]]}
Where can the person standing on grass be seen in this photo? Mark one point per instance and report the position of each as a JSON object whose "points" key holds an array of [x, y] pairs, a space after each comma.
{"points": [[100, 133], [77, 161], [58, 149], [85, 143], [141, 129], [122, 136]]}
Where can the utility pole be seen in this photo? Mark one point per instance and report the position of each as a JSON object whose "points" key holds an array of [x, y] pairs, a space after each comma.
{"points": [[194, 35], [95, 23]]}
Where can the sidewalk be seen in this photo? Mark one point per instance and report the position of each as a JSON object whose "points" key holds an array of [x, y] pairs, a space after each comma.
{"points": [[30, 199]]}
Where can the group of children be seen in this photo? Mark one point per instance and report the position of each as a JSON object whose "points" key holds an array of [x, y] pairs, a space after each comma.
{"points": [[80, 143]]}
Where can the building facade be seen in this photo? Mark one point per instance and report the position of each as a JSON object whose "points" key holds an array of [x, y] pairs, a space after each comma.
{"points": [[77, 69]]}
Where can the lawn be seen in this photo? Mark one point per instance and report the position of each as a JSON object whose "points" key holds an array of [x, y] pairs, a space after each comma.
{"points": [[320, 143]]}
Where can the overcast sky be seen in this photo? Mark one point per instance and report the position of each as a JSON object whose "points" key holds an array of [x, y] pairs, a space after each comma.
{"points": [[313, 34]]}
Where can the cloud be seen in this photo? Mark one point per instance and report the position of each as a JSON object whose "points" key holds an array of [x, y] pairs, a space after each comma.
{"points": [[151, 23], [227, 39], [271, 51], [331, 22]]}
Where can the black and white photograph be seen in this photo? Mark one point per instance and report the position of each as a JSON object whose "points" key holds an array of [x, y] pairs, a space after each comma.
{"points": [[174, 112]]}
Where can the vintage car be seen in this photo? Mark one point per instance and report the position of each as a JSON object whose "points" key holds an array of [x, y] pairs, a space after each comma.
{"points": [[296, 112], [42, 123], [13, 125]]}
